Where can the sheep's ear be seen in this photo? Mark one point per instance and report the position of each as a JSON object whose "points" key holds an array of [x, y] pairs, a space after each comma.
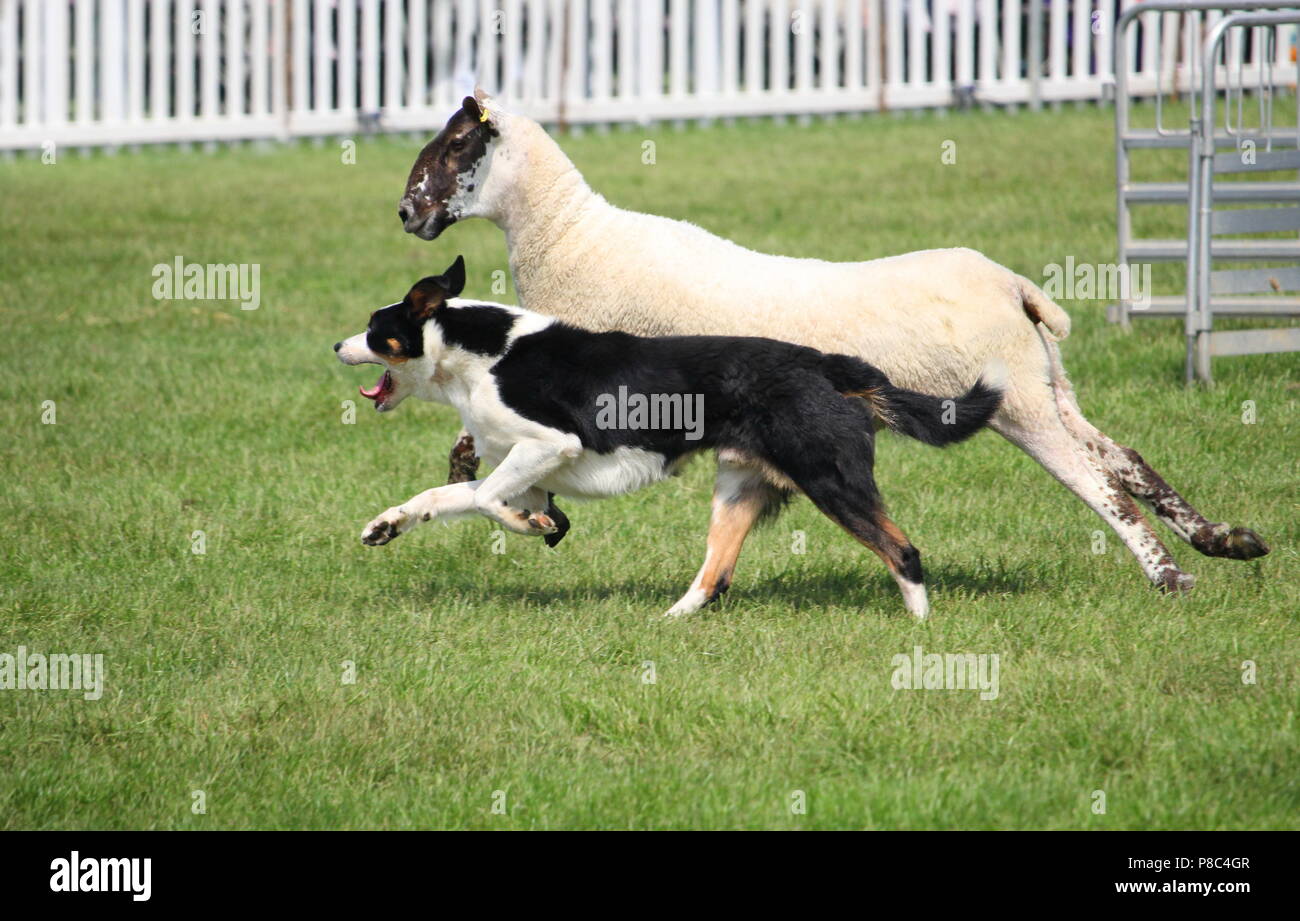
{"points": [[471, 108]]}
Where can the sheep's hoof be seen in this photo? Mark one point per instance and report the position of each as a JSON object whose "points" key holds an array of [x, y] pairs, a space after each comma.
{"points": [[1230, 543], [1173, 582], [463, 464], [1243, 544]]}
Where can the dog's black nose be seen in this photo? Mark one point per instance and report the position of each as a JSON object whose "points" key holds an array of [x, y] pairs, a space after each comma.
{"points": [[337, 346], [403, 214]]}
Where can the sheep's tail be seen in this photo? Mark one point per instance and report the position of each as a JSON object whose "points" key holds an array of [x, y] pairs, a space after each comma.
{"points": [[1042, 309], [936, 421], [1052, 325]]}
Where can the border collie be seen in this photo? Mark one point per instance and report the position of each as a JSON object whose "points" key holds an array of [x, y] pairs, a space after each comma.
{"points": [[560, 410]]}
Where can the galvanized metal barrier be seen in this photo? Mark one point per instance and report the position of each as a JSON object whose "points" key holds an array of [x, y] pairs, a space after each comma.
{"points": [[1209, 291], [1170, 47]]}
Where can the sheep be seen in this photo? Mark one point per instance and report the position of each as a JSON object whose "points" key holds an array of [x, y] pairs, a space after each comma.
{"points": [[932, 320]]}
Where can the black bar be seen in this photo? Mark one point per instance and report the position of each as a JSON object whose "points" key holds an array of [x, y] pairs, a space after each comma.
{"points": [[931, 870]]}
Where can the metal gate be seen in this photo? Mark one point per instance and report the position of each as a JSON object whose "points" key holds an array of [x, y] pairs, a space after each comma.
{"points": [[1243, 56], [1206, 223]]}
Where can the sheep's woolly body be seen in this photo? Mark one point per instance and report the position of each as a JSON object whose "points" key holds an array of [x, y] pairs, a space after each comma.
{"points": [[931, 320]]}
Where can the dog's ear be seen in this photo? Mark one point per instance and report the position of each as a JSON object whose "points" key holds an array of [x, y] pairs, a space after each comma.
{"points": [[428, 294], [454, 278]]}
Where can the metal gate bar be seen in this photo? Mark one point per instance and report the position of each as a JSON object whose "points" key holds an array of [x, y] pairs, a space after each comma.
{"points": [[1204, 222]]}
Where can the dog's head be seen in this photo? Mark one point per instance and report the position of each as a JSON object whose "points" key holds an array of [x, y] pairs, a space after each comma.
{"points": [[398, 338], [450, 177]]}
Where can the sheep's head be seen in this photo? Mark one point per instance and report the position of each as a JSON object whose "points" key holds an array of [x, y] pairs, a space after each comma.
{"points": [[446, 181]]}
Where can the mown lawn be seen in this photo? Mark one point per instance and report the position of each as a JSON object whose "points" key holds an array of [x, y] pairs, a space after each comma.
{"points": [[527, 672]]}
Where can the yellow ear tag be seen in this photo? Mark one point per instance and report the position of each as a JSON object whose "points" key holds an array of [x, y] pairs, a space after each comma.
{"points": [[484, 116]]}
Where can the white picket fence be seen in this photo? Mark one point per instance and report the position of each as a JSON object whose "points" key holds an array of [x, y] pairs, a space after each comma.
{"points": [[111, 72]]}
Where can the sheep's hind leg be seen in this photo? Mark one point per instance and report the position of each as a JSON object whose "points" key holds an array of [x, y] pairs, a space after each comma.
{"points": [[1050, 443], [1137, 478], [1145, 484]]}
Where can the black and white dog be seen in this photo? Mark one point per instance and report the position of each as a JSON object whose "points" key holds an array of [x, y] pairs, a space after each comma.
{"points": [[561, 410]]}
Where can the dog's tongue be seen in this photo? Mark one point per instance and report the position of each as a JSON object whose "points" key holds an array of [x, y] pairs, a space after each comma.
{"points": [[380, 390]]}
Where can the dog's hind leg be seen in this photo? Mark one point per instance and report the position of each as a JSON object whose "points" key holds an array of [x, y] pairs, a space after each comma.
{"points": [[867, 522], [741, 496], [823, 443]]}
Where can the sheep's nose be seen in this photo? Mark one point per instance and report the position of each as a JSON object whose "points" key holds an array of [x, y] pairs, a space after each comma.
{"points": [[404, 213], [337, 346]]}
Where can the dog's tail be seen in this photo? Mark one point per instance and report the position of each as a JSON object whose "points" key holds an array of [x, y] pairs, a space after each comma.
{"points": [[936, 421]]}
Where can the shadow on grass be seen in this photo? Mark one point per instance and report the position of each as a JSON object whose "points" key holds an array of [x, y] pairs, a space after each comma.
{"points": [[856, 588], [865, 588], [631, 592]]}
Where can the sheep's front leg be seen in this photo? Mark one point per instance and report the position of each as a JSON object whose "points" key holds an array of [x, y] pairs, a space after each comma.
{"points": [[443, 502], [514, 478], [462, 465]]}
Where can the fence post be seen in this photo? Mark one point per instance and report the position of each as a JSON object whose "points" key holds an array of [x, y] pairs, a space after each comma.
{"points": [[417, 41], [1036, 54], [8, 63], [112, 61], [281, 19], [650, 81], [706, 48], [55, 53]]}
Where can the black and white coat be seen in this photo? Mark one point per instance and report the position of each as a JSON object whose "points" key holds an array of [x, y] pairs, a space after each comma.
{"points": [[537, 396]]}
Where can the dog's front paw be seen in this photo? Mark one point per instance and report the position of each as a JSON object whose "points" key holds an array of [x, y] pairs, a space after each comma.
{"points": [[384, 528], [541, 523]]}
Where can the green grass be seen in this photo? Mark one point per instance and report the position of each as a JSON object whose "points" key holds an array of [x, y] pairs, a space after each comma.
{"points": [[522, 671]]}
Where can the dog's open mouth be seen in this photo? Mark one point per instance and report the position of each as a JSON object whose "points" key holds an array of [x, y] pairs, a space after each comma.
{"points": [[381, 391]]}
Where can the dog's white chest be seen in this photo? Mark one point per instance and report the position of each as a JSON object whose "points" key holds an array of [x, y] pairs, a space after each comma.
{"points": [[591, 475]]}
